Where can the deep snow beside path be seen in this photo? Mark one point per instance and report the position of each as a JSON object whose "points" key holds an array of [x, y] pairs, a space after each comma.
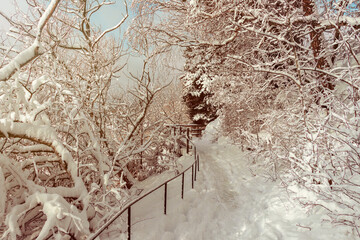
{"points": [[256, 208], [228, 203]]}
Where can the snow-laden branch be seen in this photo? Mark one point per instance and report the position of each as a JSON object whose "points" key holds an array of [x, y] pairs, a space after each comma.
{"points": [[342, 21], [59, 213], [34, 148], [223, 42], [31, 52], [19, 61], [14, 168], [46, 16], [254, 15], [115, 27], [257, 69], [339, 78], [47, 136]]}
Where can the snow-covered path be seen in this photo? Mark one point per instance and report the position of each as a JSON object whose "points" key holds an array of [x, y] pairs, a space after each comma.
{"points": [[249, 203], [251, 207], [228, 203]]}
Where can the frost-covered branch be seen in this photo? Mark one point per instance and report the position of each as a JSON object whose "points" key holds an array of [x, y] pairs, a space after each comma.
{"points": [[19, 61], [114, 27], [45, 135], [259, 69], [31, 52]]}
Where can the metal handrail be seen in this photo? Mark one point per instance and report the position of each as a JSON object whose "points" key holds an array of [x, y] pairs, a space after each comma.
{"points": [[185, 125], [195, 166]]}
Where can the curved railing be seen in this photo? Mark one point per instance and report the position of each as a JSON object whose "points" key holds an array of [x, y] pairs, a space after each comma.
{"points": [[195, 167]]}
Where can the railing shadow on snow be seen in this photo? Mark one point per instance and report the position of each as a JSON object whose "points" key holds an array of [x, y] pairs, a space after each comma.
{"points": [[185, 131]]}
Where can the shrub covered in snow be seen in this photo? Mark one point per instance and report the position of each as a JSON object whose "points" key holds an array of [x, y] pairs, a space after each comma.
{"points": [[69, 137]]}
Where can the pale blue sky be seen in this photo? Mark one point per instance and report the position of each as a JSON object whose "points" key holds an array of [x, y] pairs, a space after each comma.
{"points": [[7, 8], [107, 17], [110, 15]]}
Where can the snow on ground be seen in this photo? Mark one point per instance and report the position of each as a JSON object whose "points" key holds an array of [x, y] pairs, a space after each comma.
{"points": [[228, 203]]}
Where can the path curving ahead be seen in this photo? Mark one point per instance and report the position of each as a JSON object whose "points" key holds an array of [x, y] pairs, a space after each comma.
{"points": [[229, 203]]}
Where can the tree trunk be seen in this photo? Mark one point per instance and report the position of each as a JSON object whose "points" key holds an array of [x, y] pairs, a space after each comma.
{"points": [[317, 46]]}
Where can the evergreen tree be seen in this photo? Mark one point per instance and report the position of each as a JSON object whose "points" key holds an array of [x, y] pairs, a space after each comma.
{"points": [[197, 80]]}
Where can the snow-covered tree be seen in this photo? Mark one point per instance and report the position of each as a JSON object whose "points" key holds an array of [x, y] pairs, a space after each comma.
{"points": [[67, 135], [197, 80]]}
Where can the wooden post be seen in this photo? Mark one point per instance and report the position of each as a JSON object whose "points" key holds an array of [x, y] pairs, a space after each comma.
{"points": [[129, 222], [195, 170], [187, 140], [141, 143], [198, 162], [182, 186], [165, 198], [192, 176]]}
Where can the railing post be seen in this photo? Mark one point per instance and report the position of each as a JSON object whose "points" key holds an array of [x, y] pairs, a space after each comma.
{"points": [[195, 170], [129, 222], [187, 140], [182, 186], [198, 161], [165, 198], [192, 176]]}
